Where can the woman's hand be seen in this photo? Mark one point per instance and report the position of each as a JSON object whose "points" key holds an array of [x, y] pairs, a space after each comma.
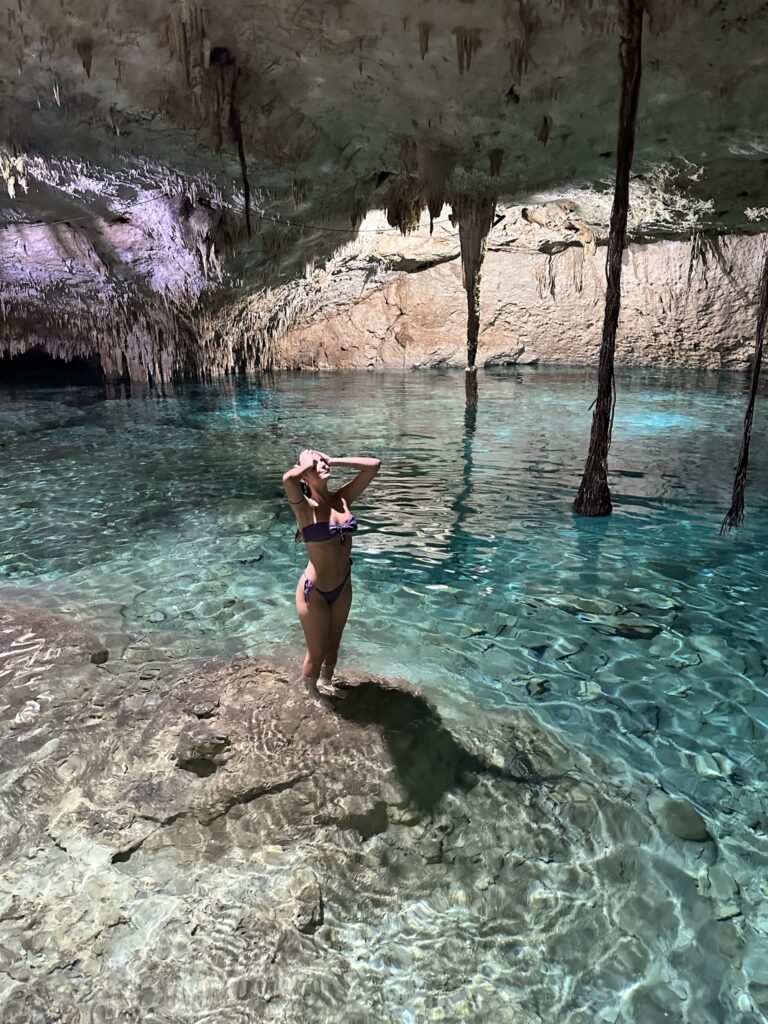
{"points": [[325, 458], [307, 459]]}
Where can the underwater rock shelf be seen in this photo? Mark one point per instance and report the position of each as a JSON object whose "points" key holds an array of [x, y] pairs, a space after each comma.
{"points": [[213, 841]]}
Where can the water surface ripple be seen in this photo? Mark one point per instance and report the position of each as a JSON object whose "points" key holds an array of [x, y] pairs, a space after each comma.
{"points": [[158, 519]]}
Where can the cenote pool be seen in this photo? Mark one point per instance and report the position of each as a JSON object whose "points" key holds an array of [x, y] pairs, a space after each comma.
{"points": [[157, 519]]}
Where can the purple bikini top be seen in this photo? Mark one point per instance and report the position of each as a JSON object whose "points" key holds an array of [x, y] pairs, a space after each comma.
{"points": [[327, 531]]}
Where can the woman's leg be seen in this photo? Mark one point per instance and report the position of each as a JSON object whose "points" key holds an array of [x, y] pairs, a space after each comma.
{"points": [[338, 620], [315, 617]]}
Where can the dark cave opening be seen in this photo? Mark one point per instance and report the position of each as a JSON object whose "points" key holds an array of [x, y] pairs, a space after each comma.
{"points": [[36, 368]]}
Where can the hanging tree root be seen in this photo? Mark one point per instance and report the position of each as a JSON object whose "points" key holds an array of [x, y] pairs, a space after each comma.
{"points": [[594, 496], [734, 517]]}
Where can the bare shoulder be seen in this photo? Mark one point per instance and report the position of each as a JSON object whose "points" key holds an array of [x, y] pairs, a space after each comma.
{"points": [[303, 513], [342, 513]]}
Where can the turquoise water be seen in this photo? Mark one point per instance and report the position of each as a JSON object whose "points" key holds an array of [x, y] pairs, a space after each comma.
{"points": [[158, 519], [472, 573]]}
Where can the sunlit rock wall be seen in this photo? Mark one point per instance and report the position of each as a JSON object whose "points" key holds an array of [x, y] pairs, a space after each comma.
{"points": [[683, 304]]}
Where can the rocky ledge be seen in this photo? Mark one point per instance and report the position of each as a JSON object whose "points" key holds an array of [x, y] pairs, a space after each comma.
{"points": [[215, 846]]}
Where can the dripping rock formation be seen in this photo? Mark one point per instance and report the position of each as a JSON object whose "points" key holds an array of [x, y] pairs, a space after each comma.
{"points": [[179, 178]]}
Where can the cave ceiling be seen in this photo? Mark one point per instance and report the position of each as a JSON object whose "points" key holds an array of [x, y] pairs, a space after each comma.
{"points": [[131, 133]]}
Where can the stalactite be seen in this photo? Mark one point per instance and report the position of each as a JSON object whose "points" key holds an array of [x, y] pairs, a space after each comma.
{"points": [[594, 496], [212, 75], [734, 517], [436, 168], [405, 204], [467, 43], [13, 173], [225, 74], [410, 151], [424, 28], [544, 129], [300, 189], [523, 24], [358, 211], [84, 49], [189, 42], [475, 216], [495, 158]]}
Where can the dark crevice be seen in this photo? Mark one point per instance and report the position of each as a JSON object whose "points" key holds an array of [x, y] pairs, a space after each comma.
{"points": [[414, 266], [203, 767], [254, 793], [205, 816], [123, 856], [37, 368]]}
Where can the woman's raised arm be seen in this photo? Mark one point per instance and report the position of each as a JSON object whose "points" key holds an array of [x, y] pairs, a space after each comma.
{"points": [[367, 470], [292, 477]]}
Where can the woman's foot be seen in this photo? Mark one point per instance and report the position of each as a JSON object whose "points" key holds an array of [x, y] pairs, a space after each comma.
{"points": [[315, 693], [328, 688]]}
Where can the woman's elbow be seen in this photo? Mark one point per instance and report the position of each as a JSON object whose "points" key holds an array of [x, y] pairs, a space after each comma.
{"points": [[376, 465]]}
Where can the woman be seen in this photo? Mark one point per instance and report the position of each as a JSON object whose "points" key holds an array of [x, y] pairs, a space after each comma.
{"points": [[326, 525]]}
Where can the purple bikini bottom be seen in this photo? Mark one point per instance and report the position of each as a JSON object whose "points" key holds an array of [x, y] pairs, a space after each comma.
{"points": [[329, 595]]}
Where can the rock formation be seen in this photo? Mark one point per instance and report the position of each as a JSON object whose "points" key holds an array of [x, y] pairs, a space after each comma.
{"points": [[542, 301], [209, 844], [142, 146]]}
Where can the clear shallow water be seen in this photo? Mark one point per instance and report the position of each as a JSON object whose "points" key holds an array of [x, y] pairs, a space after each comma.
{"points": [[160, 521]]}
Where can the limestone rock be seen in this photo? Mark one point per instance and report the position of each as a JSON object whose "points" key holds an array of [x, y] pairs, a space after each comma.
{"points": [[219, 844], [678, 818], [161, 160], [29, 629], [310, 911], [675, 310]]}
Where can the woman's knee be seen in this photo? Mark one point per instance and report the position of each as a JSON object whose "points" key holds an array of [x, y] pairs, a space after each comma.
{"points": [[332, 653]]}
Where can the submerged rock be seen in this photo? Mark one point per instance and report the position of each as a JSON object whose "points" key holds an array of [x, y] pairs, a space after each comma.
{"points": [[29, 631], [679, 818], [227, 847]]}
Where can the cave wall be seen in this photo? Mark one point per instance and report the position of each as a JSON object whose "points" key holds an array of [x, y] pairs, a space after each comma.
{"points": [[683, 304], [169, 170], [400, 304]]}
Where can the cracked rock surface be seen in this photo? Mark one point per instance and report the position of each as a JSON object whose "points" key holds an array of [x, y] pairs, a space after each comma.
{"points": [[542, 300]]}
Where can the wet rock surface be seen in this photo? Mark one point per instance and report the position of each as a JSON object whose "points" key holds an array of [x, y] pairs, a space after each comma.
{"points": [[678, 818], [28, 631], [211, 844]]}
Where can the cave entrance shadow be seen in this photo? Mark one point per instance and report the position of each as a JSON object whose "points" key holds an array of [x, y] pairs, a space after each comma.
{"points": [[427, 758], [35, 368]]}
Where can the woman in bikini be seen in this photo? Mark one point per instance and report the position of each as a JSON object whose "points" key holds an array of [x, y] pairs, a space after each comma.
{"points": [[326, 525]]}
